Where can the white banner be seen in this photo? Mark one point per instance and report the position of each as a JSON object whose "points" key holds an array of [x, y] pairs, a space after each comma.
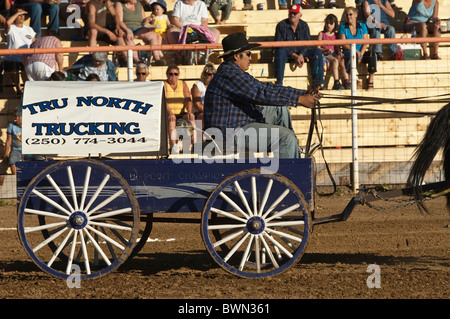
{"points": [[82, 117]]}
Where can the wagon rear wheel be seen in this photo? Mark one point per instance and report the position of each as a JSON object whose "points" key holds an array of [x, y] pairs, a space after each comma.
{"points": [[256, 224], [78, 217]]}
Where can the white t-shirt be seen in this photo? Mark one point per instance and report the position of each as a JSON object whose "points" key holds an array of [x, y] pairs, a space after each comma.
{"points": [[190, 14], [19, 38]]}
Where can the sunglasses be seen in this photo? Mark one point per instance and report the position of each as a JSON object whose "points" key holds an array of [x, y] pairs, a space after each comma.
{"points": [[248, 53], [173, 74], [141, 73], [209, 74]]}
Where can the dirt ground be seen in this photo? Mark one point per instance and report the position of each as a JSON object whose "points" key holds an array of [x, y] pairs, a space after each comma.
{"points": [[410, 250]]}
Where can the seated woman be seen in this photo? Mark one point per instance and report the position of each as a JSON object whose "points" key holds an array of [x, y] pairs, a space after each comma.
{"points": [[132, 15], [199, 89], [353, 29], [423, 16], [179, 102]]}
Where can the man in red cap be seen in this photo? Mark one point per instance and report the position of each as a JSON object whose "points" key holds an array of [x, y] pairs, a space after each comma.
{"points": [[295, 29]]}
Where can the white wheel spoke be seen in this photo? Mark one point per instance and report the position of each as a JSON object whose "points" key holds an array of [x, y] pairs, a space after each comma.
{"points": [[97, 192], [107, 201], [257, 255], [228, 238], [246, 253], [105, 237], [42, 227], [87, 177], [286, 223], [265, 197], [72, 252], [60, 193], [277, 244], [242, 196], [85, 254], [282, 234], [225, 226], [111, 213], [233, 204], [269, 251], [43, 213], [60, 247], [221, 212], [49, 239], [254, 196], [236, 247], [275, 204], [72, 187], [51, 202], [97, 247], [111, 226], [283, 212]]}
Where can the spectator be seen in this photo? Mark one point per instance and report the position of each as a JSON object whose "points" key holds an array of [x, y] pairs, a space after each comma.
{"points": [[160, 19], [247, 5], [377, 14], [99, 24], [142, 73], [97, 63], [215, 6], [198, 90], [298, 55], [321, 4], [57, 76], [424, 17], [233, 96], [13, 146], [189, 12], [179, 102], [38, 8], [353, 29], [40, 66], [18, 36], [332, 54], [5, 6], [93, 78], [132, 19]]}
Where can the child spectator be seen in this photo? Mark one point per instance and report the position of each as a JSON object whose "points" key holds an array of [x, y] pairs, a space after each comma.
{"points": [[13, 148], [18, 36], [331, 54]]}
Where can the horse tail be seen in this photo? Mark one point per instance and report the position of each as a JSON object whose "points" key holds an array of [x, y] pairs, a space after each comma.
{"points": [[437, 136]]}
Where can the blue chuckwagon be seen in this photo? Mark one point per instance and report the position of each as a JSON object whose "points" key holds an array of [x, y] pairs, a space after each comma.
{"points": [[108, 178]]}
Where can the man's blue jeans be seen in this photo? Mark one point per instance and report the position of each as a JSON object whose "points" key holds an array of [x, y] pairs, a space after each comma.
{"points": [[315, 60], [389, 33], [36, 9]]}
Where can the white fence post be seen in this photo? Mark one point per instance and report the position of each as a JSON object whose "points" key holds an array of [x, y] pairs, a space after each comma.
{"points": [[355, 182]]}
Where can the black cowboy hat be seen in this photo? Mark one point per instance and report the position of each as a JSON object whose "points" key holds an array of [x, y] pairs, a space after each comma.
{"points": [[236, 43]]}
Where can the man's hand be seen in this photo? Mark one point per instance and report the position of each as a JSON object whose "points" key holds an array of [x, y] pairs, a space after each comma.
{"points": [[299, 60], [309, 99]]}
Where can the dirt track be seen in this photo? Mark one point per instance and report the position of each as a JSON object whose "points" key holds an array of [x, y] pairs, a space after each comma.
{"points": [[411, 250]]}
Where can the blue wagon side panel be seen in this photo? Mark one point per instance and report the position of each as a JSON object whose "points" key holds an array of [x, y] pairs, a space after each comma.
{"points": [[165, 186]]}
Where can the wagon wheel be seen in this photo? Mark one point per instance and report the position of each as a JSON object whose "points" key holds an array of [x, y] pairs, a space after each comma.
{"points": [[256, 224], [80, 216]]}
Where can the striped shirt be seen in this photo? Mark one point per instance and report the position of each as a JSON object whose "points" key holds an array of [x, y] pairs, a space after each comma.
{"points": [[233, 97]]}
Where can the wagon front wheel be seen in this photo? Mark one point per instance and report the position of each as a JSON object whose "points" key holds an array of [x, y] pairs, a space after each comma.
{"points": [[256, 224], [78, 217]]}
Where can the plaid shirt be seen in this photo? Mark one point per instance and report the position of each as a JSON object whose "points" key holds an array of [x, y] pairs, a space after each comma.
{"points": [[232, 98]]}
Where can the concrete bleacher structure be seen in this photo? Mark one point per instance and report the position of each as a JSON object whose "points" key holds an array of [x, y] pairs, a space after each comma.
{"points": [[387, 139]]}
